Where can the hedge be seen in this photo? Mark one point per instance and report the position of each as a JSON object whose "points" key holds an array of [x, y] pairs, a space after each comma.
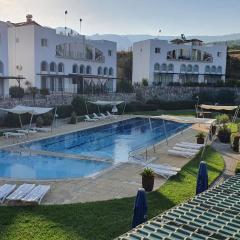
{"points": [[172, 105]]}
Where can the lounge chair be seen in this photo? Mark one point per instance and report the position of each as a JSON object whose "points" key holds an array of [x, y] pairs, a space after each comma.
{"points": [[164, 167], [193, 144], [5, 190], [37, 194], [109, 114], [88, 119], [186, 149], [13, 134], [26, 131], [41, 129], [103, 116], [95, 116], [20, 192], [187, 146], [164, 173], [185, 154]]}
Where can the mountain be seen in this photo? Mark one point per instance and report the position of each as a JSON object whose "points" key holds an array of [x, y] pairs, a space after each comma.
{"points": [[125, 42]]}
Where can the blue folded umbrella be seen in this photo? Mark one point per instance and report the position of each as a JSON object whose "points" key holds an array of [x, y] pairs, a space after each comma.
{"points": [[140, 208], [202, 178]]}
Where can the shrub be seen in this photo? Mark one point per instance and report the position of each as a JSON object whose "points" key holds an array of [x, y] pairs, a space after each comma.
{"points": [[44, 91], [205, 97], [225, 96], [138, 106], [222, 118], [73, 119], [148, 172], [79, 105], [16, 92], [39, 122], [224, 134], [47, 119], [12, 120], [144, 82], [235, 137], [64, 111], [237, 170]]}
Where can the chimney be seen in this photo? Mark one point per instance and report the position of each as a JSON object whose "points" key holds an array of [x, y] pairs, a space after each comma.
{"points": [[29, 18]]}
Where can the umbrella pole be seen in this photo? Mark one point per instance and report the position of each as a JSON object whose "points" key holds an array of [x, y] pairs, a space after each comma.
{"points": [[165, 131], [54, 117], [30, 124], [150, 123], [20, 120], [205, 145], [124, 107], [86, 107]]}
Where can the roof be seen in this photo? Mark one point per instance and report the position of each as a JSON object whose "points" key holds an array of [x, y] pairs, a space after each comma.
{"points": [[180, 41], [214, 214], [26, 23], [218, 107], [25, 109]]}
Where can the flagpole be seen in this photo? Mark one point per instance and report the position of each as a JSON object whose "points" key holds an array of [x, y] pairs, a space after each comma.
{"points": [[66, 12], [80, 26]]}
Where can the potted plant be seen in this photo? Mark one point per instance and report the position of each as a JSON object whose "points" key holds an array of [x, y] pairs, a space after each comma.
{"points": [[148, 179], [200, 138], [224, 134]]}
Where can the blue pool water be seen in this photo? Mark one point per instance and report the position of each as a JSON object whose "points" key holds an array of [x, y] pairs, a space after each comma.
{"points": [[25, 166], [113, 141]]}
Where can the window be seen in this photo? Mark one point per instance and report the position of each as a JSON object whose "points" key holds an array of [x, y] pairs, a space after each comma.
{"points": [[156, 67], [52, 67], [82, 69], [164, 67], [157, 50], [44, 42], [75, 68], [189, 68], [111, 71], [170, 68], [99, 70], [105, 71], [89, 70], [44, 66], [60, 68], [183, 68], [109, 53], [196, 69], [213, 69], [219, 70], [43, 82], [219, 54], [207, 69], [1, 67]]}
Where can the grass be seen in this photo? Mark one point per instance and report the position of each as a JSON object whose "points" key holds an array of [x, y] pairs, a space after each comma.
{"points": [[101, 220], [186, 112]]}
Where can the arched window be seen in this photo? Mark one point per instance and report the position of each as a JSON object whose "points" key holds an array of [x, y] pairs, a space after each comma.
{"points": [[196, 68], [89, 70], [213, 69], [156, 67], [105, 71], [82, 69], [52, 67], [75, 68], [60, 67], [164, 67], [44, 66], [207, 69], [111, 71], [189, 68], [170, 67], [219, 70], [100, 71], [1, 68], [183, 68]]}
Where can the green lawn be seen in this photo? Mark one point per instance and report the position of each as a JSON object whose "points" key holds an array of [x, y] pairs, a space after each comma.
{"points": [[186, 112], [100, 220]]}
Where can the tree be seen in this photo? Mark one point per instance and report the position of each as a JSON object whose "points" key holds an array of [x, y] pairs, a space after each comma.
{"points": [[16, 92], [124, 68], [144, 82]]}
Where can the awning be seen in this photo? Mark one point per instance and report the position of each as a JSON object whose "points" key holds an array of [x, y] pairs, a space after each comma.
{"points": [[190, 120], [25, 109], [106, 103], [218, 108]]}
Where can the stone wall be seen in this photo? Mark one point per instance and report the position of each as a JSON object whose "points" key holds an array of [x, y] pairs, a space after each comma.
{"points": [[63, 99], [175, 93]]}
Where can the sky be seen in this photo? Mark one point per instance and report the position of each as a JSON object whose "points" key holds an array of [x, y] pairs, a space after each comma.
{"points": [[173, 17]]}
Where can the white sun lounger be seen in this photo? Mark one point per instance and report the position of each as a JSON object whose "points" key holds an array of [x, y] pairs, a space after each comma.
{"points": [[164, 173], [186, 146], [26, 131], [88, 119], [37, 194], [5, 190], [109, 114], [186, 149], [96, 116], [13, 134], [164, 167], [103, 116], [193, 144], [21, 192], [181, 153], [41, 129]]}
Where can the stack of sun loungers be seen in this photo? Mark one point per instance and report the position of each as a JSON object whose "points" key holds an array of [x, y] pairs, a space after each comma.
{"points": [[185, 149], [25, 193], [13, 134], [96, 117]]}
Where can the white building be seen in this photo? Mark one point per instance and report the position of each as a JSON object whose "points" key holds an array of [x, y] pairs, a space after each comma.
{"points": [[179, 61], [4, 82], [60, 62]]}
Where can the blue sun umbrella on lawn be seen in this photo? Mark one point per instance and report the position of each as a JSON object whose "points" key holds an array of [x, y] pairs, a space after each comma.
{"points": [[140, 208], [202, 178]]}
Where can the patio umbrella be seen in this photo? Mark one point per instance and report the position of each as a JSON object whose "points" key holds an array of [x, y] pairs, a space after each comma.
{"points": [[202, 178], [140, 208]]}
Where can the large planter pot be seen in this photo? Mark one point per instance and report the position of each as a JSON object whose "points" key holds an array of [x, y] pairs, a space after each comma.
{"points": [[147, 183], [224, 136], [200, 140]]}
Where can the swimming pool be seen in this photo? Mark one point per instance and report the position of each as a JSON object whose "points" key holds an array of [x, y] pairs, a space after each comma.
{"points": [[111, 141], [25, 166]]}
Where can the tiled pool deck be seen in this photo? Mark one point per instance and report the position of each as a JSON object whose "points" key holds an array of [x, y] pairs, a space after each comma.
{"points": [[118, 182]]}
